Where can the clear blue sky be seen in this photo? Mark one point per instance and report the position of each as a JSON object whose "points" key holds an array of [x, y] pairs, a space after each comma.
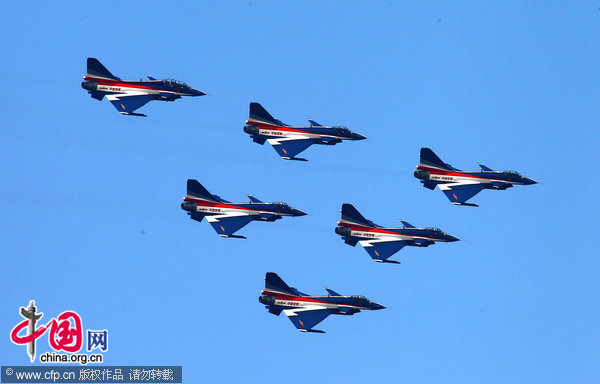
{"points": [[89, 199]]}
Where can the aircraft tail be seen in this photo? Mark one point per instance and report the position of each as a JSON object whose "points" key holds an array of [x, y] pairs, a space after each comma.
{"points": [[274, 283], [257, 112], [430, 159], [195, 189], [96, 69], [351, 214]]}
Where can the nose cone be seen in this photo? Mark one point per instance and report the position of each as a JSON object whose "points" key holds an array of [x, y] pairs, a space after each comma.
{"points": [[197, 92], [376, 306], [451, 238], [357, 136], [528, 181], [297, 212]]}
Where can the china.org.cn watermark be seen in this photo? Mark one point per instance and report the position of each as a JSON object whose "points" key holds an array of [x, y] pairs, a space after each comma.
{"points": [[65, 337]]}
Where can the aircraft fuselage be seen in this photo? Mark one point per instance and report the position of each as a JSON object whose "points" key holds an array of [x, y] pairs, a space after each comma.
{"points": [[207, 207], [322, 135], [493, 179], [419, 236], [341, 305], [158, 88]]}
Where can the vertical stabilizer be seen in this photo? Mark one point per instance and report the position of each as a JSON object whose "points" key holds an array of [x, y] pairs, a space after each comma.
{"points": [[430, 159], [195, 189], [96, 69], [274, 283], [257, 112], [351, 214]]}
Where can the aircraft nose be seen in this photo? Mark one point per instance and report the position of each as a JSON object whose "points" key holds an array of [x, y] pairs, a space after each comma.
{"points": [[197, 92], [528, 181], [358, 136], [451, 238], [377, 306], [297, 212]]}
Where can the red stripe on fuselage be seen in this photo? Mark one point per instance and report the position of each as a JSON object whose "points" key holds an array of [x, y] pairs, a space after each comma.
{"points": [[205, 203], [436, 171], [115, 83], [282, 296], [356, 227]]}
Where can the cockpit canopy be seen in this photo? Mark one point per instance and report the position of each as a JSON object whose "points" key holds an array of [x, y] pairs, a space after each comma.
{"points": [[360, 299], [437, 231], [175, 84], [342, 129], [512, 173], [282, 205]]}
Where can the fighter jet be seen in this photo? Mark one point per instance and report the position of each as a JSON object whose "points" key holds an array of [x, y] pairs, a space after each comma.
{"points": [[381, 243], [227, 217], [129, 95], [307, 311], [460, 186], [289, 141]]}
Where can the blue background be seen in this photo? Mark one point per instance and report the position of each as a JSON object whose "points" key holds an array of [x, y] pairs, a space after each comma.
{"points": [[89, 199]]}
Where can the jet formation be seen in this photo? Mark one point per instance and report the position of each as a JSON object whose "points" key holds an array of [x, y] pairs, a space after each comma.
{"points": [[305, 311], [380, 242], [459, 186], [227, 217], [289, 141], [129, 95]]}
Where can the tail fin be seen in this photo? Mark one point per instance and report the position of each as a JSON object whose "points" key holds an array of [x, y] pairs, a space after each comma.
{"points": [[195, 189], [351, 214], [274, 283], [257, 112], [428, 158], [96, 69]]}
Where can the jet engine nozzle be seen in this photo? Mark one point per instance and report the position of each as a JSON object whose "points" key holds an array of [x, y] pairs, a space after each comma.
{"points": [[267, 300], [189, 206], [251, 129], [421, 174], [89, 85], [344, 231]]}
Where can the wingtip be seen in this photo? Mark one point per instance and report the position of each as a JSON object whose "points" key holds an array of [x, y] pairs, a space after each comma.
{"points": [[464, 204], [311, 330], [232, 236], [386, 261]]}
